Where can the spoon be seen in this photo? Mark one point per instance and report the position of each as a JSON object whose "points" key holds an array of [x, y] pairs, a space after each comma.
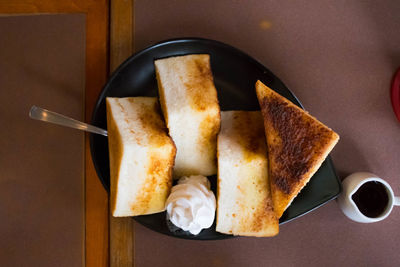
{"points": [[42, 114]]}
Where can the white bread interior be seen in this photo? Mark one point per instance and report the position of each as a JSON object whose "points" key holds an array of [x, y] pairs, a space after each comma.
{"points": [[191, 110], [244, 198], [141, 156]]}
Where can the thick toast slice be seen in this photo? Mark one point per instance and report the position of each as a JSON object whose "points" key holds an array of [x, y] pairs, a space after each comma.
{"points": [[141, 156], [297, 145], [244, 198], [190, 105]]}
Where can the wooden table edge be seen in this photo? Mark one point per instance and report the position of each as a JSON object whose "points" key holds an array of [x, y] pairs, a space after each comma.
{"points": [[122, 240]]}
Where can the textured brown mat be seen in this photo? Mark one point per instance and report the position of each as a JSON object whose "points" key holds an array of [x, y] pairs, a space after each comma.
{"points": [[338, 57], [42, 62]]}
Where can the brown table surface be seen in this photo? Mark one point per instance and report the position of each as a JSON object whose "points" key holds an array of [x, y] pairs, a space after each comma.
{"points": [[338, 57], [42, 202]]}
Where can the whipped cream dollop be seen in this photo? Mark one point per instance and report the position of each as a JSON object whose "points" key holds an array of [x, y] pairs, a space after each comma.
{"points": [[191, 204]]}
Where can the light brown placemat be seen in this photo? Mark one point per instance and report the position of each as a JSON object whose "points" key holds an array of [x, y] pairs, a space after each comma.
{"points": [[338, 57], [42, 62]]}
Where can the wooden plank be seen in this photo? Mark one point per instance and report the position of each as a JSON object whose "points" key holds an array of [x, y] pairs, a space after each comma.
{"points": [[121, 47], [96, 198], [45, 6], [121, 33], [97, 246]]}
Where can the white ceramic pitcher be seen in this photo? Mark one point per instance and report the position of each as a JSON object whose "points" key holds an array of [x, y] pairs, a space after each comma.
{"points": [[350, 186]]}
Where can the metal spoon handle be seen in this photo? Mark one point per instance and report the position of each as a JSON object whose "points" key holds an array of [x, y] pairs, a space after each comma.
{"points": [[42, 114]]}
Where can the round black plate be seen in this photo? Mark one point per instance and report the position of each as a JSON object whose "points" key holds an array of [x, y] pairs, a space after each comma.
{"points": [[235, 74]]}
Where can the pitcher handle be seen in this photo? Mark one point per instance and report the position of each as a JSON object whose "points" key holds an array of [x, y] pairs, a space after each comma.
{"points": [[396, 201]]}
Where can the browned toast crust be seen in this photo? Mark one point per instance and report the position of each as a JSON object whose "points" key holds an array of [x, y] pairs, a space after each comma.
{"points": [[297, 145]]}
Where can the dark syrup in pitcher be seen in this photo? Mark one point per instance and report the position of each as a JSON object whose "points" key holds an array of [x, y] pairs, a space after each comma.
{"points": [[371, 199]]}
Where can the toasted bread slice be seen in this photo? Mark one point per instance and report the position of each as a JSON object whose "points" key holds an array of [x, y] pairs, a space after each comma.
{"points": [[244, 199], [190, 105], [141, 156], [297, 145]]}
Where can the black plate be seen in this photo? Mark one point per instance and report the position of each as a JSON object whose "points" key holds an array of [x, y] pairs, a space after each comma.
{"points": [[235, 74]]}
